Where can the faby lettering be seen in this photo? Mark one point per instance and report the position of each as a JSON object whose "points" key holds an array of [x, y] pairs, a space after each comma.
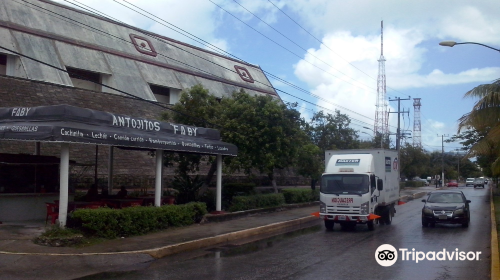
{"points": [[184, 130], [20, 112]]}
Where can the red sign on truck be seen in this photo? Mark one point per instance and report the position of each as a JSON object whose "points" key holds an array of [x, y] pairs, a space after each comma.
{"points": [[342, 200]]}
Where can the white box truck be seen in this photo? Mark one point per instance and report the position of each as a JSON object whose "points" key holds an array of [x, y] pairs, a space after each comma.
{"points": [[359, 187]]}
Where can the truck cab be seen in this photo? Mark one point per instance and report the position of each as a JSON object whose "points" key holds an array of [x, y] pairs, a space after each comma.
{"points": [[359, 187]]}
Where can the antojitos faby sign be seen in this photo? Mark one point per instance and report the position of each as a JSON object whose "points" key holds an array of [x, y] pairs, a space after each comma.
{"points": [[65, 123]]}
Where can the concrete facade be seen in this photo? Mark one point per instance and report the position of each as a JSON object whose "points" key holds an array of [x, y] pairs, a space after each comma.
{"points": [[123, 57]]}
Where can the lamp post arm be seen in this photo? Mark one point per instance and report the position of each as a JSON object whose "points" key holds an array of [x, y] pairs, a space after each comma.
{"points": [[498, 50]]}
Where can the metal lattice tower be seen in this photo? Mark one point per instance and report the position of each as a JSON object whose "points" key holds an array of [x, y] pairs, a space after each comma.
{"points": [[381, 115], [417, 128]]}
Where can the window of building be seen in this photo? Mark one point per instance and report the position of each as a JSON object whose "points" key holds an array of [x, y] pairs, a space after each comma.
{"points": [[162, 94], [3, 64], [85, 79]]}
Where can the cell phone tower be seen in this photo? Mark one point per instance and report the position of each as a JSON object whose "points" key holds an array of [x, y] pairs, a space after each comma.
{"points": [[417, 128], [381, 115]]}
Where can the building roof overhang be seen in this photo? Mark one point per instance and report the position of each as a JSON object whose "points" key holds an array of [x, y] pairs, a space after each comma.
{"points": [[70, 124]]}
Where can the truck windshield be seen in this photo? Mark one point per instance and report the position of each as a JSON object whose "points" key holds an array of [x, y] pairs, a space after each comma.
{"points": [[345, 184]]}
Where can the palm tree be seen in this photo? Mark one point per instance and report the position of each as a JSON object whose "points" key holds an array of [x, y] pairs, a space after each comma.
{"points": [[485, 117]]}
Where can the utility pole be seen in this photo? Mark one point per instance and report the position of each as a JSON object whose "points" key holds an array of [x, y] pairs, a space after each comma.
{"points": [[442, 157], [398, 132], [458, 165]]}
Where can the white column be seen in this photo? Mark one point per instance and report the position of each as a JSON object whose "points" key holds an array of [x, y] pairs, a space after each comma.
{"points": [[218, 206], [63, 184], [158, 179], [110, 170]]}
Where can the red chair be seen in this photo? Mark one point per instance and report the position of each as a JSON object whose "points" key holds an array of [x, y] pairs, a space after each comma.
{"points": [[52, 212], [132, 203]]}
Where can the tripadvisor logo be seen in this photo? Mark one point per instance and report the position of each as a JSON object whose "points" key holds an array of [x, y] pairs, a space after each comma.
{"points": [[387, 255]]}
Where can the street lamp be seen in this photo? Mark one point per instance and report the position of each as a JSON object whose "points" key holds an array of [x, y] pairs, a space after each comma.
{"points": [[452, 43], [374, 133]]}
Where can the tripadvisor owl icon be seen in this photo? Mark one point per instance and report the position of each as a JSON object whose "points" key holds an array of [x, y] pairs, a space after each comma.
{"points": [[386, 255]]}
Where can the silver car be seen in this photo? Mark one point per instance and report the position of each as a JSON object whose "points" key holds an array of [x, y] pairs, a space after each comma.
{"points": [[469, 182]]}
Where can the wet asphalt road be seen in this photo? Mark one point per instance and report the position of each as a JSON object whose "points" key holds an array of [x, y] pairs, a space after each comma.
{"points": [[315, 253]]}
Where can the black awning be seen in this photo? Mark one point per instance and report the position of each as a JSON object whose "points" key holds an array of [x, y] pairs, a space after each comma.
{"points": [[65, 123]]}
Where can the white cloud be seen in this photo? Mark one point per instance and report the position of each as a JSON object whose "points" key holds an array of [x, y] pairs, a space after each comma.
{"points": [[472, 24], [462, 19], [306, 114], [435, 124], [340, 83]]}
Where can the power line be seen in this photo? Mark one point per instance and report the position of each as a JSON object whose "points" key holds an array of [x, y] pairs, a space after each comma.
{"points": [[284, 81], [322, 43], [108, 34], [101, 84], [293, 42], [267, 37], [270, 74]]}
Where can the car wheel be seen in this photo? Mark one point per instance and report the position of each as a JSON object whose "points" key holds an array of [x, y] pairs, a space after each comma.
{"points": [[425, 223], [432, 224], [465, 225], [329, 224]]}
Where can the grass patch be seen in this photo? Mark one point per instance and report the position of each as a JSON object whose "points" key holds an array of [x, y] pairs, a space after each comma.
{"points": [[56, 236], [59, 232], [496, 203]]}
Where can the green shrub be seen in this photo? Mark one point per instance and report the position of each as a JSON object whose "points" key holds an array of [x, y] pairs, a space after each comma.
{"points": [[237, 189], [300, 195], [209, 199], [112, 223], [241, 203], [231, 190], [187, 187], [57, 231]]}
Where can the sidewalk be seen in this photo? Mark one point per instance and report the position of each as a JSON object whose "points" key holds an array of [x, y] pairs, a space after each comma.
{"points": [[407, 194], [16, 238]]}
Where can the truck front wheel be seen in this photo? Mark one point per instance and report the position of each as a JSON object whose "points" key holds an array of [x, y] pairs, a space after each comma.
{"points": [[329, 224], [370, 225], [385, 215]]}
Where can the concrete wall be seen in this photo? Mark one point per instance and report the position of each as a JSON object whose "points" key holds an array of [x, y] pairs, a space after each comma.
{"points": [[25, 207]]}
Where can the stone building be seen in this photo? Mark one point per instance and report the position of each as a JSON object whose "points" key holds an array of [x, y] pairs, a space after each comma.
{"points": [[96, 49], [109, 66]]}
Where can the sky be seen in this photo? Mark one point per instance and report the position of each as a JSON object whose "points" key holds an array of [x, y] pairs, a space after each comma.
{"points": [[330, 50]]}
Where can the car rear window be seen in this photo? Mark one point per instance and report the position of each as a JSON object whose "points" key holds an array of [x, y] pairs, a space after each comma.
{"points": [[445, 198]]}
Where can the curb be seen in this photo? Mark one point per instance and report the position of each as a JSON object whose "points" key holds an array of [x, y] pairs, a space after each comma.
{"points": [[194, 244], [409, 197], [495, 261], [209, 218], [223, 238]]}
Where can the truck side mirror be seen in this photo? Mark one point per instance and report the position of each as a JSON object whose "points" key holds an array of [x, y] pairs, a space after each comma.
{"points": [[380, 184], [373, 181]]}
